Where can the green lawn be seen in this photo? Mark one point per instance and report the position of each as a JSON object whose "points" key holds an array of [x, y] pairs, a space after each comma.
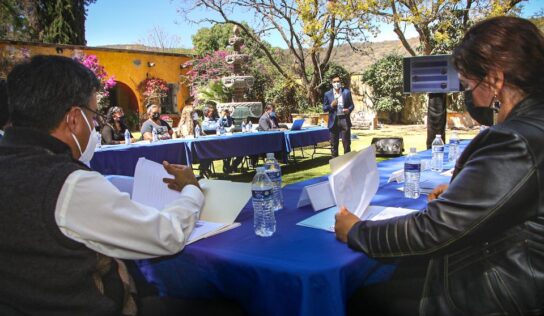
{"points": [[307, 168]]}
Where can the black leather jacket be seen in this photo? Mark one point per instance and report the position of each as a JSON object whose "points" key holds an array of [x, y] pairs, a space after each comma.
{"points": [[484, 235]]}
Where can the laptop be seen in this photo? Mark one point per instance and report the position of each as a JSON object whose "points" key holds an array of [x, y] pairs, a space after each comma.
{"points": [[297, 125]]}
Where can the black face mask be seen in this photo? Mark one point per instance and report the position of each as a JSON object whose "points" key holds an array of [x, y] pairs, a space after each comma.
{"points": [[122, 120], [484, 116], [155, 115]]}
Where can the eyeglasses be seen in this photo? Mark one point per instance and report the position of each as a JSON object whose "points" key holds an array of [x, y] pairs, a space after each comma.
{"points": [[467, 87], [96, 115]]}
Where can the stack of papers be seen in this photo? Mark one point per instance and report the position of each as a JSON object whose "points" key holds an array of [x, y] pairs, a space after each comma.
{"points": [[223, 199], [354, 181]]}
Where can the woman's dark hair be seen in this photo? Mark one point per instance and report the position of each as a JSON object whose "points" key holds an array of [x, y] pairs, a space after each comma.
{"points": [[109, 115], [4, 111], [513, 45], [42, 90], [211, 108]]}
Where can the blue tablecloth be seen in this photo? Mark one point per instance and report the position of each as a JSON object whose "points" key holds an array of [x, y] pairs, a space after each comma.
{"points": [[297, 271], [305, 137], [122, 159], [239, 144]]}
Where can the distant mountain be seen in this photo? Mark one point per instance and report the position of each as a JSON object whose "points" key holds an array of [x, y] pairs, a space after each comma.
{"points": [[149, 49], [358, 62], [355, 62]]}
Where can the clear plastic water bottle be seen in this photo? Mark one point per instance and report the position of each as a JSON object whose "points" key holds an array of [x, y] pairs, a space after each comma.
{"points": [[99, 144], [273, 170], [454, 147], [249, 127], [197, 131], [322, 123], [437, 162], [243, 126], [127, 137], [155, 136], [412, 173], [264, 220]]}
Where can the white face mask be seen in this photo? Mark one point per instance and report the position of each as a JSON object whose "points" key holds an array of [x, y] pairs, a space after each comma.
{"points": [[336, 85], [195, 117], [88, 153]]}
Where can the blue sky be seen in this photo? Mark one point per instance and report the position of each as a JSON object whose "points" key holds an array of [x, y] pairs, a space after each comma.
{"points": [[130, 21]]}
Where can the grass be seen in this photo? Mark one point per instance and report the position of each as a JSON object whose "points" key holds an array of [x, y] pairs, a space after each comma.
{"points": [[307, 168]]}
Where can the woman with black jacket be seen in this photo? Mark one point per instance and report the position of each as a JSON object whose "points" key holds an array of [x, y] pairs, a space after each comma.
{"points": [[478, 247]]}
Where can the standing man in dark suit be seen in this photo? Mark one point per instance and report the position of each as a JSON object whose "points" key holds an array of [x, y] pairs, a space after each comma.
{"points": [[339, 103]]}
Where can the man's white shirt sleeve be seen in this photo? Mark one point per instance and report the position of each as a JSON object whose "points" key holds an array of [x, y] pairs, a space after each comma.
{"points": [[94, 212]]}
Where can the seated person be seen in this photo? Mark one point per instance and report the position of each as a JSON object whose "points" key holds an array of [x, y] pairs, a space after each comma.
{"points": [[477, 248], [186, 123], [113, 132], [4, 111], [226, 120], [209, 124], [164, 131], [268, 120], [56, 257]]}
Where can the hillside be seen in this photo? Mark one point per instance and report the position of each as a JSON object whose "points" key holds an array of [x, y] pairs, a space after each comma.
{"points": [[358, 62], [354, 61]]}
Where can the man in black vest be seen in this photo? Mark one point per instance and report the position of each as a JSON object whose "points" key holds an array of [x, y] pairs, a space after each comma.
{"points": [[61, 224]]}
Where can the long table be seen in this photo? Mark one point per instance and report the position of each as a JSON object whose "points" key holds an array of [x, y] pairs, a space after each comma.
{"points": [[297, 271], [122, 159]]}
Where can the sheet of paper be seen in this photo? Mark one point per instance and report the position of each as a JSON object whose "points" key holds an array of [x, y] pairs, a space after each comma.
{"points": [[356, 182], [340, 161], [204, 229], [378, 213], [148, 187], [224, 200], [303, 199], [323, 220], [319, 195], [397, 176]]}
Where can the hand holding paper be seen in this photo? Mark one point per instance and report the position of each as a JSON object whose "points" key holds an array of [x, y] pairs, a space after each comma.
{"points": [[344, 221], [183, 176]]}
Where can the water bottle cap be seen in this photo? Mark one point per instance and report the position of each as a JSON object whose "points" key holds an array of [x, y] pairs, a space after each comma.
{"points": [[438, 135], [412, 150]]}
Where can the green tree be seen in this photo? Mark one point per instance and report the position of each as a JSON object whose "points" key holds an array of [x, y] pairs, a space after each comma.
{"points": [[208, 40], [440, 24], [385, 79], [538, 20], [332, 71], [13, 24], [50, 21], [309, 28]]}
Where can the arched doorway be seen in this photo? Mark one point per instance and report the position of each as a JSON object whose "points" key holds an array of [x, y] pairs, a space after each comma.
{"points": [[123, 96]]}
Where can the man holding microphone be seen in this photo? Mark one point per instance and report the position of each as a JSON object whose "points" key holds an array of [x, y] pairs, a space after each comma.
{"points": [[339, 104]]}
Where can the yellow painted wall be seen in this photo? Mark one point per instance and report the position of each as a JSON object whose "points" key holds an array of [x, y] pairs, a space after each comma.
{"points": [[128, 66]]}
